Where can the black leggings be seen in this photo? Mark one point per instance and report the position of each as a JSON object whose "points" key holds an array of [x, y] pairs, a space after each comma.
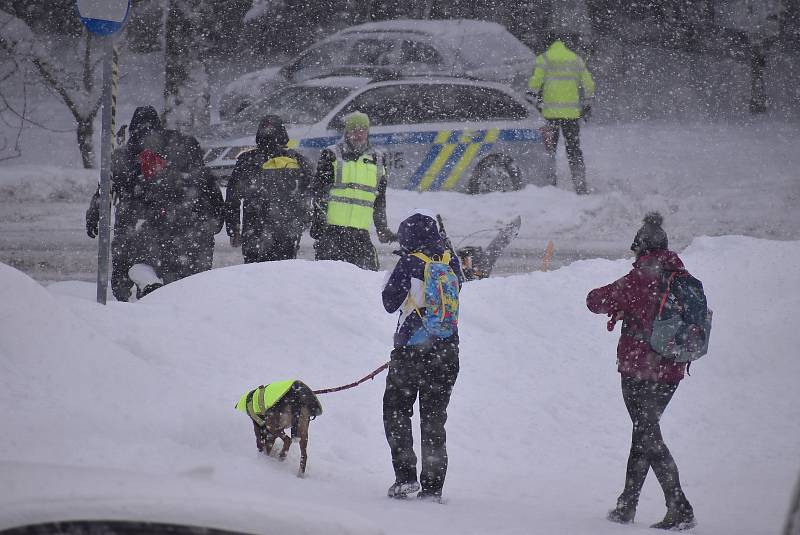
{"points": [[646, 401], [431, 374]]}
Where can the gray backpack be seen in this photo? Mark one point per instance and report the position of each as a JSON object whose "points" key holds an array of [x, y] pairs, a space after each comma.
{"points": [[682, 326]]}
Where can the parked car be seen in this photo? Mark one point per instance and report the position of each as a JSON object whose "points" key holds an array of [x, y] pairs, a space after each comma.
{"points": [[437, 133], [479, 49]]}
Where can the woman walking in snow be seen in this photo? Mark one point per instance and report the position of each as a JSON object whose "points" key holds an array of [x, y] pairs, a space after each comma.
{"points": [[648, 381]]}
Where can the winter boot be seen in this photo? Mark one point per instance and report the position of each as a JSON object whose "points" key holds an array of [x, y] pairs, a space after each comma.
{"points": [[679, 517], [429, 496], [402, 490], [145, 278], [623, 513]]}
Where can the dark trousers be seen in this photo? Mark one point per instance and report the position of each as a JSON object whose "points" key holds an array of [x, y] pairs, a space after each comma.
{"points": [[646, 401], [277, 247], [572, 138], [430, 373], [348, 245]]}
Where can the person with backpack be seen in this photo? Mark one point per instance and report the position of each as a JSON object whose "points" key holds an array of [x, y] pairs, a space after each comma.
{"points": [[424, 287], [268, 189], [649, 380], [349, 197]]}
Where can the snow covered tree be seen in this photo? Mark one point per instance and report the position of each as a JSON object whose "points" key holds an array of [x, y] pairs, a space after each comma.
{"points": [[73, 82], [187, 96]]}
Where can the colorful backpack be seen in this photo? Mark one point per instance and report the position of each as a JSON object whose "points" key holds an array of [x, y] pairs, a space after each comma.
{"points": [[440, 285], [682, 325]]}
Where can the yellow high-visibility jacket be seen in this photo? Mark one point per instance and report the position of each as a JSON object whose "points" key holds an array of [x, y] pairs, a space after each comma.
{"points": [[561, 76]]}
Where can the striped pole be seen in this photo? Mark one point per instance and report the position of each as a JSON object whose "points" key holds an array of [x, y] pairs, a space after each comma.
{"points": [[114, 80]]}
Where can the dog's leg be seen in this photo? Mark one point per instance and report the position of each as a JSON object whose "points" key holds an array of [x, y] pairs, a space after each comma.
{"points": [[287, 442], [302, 432], [268, 441]]}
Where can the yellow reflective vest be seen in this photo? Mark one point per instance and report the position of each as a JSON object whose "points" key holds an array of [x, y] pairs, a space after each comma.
{"points": [[561, 75], [256, 402], [351, 200]]}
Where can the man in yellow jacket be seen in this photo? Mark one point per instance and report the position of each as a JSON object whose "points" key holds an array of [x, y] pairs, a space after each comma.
{"points": [[564, 91]]}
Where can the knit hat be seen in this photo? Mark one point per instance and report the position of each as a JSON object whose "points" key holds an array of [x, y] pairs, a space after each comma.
{"points": [[651, 237], [356, 120]]}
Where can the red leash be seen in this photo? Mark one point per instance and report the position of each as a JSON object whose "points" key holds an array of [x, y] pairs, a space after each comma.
{"points": [[351, 385]]}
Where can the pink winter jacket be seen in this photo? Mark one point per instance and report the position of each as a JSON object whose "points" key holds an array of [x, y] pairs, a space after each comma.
{"points": [[634, 299]]}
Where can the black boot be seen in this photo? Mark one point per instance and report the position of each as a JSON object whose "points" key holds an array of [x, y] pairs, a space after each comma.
{"points": [[679, 517], [623, 513]]}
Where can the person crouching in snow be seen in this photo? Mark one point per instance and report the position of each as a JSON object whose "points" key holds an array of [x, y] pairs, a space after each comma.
{"points": [[424, 361]]}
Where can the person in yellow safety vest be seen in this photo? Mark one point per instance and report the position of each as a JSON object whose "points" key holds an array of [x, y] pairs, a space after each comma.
{"points": [[564, 91], [349, 196]]}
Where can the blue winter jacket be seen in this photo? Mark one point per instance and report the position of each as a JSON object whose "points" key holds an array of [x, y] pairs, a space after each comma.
{"points": [[417, 233]]}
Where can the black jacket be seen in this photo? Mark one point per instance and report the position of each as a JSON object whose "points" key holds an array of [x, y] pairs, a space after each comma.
{"points": [[273, 198]]}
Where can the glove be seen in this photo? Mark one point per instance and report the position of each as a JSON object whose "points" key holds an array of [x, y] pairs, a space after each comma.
{"points": [[317, 229], [235, 236], [387, 236], [614, 318], [534, 98], [587, 112], [93, 217]]}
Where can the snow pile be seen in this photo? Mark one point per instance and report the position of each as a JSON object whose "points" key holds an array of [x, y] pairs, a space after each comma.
{"points": [[537, 431]]}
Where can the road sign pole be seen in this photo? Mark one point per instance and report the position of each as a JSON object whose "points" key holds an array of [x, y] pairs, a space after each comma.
{"points": [[104, 234]]}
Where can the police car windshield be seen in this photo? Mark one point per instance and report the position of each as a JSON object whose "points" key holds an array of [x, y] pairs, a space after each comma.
{"points": [[303, 105]]}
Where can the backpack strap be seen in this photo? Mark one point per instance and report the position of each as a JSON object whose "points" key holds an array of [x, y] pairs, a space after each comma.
{"points": [[666, 294]]}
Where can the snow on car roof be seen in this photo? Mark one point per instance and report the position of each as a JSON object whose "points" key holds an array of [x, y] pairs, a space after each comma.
{"points": [[448, 29], [337, 81], [479, 42]]}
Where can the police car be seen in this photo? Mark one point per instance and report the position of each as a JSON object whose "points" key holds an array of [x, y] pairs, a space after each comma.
{"points": [[436, 133]]}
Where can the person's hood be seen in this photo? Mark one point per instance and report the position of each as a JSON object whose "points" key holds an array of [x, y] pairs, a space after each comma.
{"points": [[419, 232], [271, 135], [145, 118], [661, 259]]}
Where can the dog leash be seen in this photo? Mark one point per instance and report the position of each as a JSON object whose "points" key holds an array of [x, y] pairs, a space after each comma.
{"points": [[351, 385]]}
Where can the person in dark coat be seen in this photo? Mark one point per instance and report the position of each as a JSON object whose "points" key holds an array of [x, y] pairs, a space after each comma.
{"points": [[125, 170], [421, 364], [273, 182], [183, 206], [648, 380], [349, 197], [168, 205]]}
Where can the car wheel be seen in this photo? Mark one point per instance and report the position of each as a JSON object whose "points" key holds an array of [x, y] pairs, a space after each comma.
{"points": [[495, 173]]}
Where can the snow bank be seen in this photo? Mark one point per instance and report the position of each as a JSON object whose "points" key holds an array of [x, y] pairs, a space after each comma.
{"points": [[537, 431]]}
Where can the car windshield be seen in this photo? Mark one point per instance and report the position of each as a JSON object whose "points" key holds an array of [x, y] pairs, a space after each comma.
{"points": [[299, 105]]}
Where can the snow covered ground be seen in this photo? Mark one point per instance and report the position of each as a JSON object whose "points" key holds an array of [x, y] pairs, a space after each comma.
{"points": [[537, 433]]}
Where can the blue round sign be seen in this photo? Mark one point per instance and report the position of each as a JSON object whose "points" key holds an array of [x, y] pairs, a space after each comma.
{"points": [[103, 17]]}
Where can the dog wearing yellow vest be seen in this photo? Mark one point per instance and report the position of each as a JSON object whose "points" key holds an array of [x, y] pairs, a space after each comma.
{"points": [[278, 406]]}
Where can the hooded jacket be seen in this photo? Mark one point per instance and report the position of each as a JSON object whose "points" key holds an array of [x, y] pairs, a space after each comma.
{"points": [[288, 167], [634, 299], [417, 233]]}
